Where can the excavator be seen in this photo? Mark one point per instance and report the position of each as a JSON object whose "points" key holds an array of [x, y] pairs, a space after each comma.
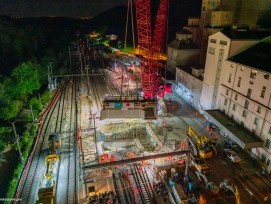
{"points": [[234, 189], [211, 188], [205, 147]]}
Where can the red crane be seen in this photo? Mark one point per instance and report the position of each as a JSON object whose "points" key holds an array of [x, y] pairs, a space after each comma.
{"points": [[150, 46]]}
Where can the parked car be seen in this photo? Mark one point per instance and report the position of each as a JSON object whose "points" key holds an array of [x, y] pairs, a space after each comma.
{"points": [[210, 124], [232, 156], [229, 144]]}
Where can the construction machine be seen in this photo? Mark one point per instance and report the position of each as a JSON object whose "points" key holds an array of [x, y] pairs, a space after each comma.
{"points": [[200, 164], [205, 147], [212, 189], [234, 189], [47, 190]]}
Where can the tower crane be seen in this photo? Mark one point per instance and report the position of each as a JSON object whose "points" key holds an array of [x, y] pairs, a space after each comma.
{"points": [[149, 45]]}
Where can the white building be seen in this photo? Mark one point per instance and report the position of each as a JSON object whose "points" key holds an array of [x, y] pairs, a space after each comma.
{"points": [[245, 93], [182, 51], [221, 46], [189, 84]]}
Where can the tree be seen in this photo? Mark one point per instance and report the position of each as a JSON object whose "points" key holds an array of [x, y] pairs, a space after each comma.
{"points": [[27, 77]]}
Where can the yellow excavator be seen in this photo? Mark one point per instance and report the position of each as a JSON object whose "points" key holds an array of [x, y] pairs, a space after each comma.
{"points": [[205, 147]]}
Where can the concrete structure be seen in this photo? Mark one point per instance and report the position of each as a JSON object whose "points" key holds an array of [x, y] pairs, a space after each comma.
{"points": [[182, 51], [189, 84], [221, 46]]}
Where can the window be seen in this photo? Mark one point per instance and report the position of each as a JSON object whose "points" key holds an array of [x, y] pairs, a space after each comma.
{"points": [[253, 74], [203, 8], [256, 121], [249, 93], [268, 162], [251, 82], [266, 76], [244, 113], [227, 92], [213, 40], [263, 158], [233, 107], [223, 42], [267, 143], [229, 80], [246, 104], [269, 130], [263, 91], [225, 102], [236, 97], [259, 109], [239, 82], [242, 68], [211, 50]]}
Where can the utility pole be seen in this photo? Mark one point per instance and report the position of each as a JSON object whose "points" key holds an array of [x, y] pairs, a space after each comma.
{"points": [[17, 140], [33, 118]]}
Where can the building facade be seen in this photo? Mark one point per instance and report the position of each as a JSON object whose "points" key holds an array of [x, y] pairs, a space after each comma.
{"points": [[182, 51], [189, 84], [245, 94]]}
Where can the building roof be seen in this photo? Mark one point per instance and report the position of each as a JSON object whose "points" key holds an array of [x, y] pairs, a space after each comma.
{"points": [[257, 56], [183, 44], [188, 69], [244, 34], [184, 31]]}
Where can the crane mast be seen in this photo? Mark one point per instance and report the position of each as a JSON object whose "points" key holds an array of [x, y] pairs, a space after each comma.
{"points": [[149, 45]]}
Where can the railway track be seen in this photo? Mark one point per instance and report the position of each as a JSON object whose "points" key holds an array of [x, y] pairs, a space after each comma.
{"points": [[139, 176], [30, 179]]}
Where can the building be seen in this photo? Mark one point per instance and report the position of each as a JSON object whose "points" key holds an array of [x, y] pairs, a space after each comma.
{"points": [[189, 84], [182, 51], [245, 93], [221, 46]]}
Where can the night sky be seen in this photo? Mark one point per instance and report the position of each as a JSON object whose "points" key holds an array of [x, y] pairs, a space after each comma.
{"points": [[83, 8], [63, 8]]}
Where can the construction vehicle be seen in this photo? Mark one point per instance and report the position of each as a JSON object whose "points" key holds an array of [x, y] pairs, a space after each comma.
{"points": [[54, 143], [47, 190], [212, 189], [205, 147], [234, 189], [200, 164]]}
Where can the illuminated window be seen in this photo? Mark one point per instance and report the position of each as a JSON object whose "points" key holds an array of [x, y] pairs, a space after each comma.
{"points": [[233, 107], [263, 92], [267, 143], [239, 82], [253, 74]]}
